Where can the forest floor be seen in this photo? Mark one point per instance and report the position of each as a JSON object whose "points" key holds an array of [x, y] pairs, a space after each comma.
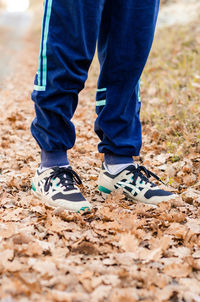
{"points": [[120, 252]]}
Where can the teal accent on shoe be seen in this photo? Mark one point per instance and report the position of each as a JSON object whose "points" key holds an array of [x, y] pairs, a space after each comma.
{"points": [[84, 209], [33, 188], [104, 190]]}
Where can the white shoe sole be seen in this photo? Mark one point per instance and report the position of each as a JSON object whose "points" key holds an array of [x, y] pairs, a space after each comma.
{"points": [[151, 203], [83, 206], [105, 196]]}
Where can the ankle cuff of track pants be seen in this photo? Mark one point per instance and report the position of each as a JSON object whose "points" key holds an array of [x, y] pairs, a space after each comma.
{"points": [[113, 159], [54, 158]]}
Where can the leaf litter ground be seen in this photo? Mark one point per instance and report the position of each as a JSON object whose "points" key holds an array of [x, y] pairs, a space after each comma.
{"points": [[120, 252]]}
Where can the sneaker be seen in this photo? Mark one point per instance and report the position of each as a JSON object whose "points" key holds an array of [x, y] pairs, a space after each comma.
{"points": [[57, 188], [136, 185]]}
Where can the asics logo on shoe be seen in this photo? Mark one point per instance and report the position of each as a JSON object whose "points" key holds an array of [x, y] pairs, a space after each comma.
{"points": [[128, 187]]}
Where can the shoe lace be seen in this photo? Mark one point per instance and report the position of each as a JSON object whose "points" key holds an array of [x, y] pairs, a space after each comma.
{"points": [[137, 172], [67, 177]]}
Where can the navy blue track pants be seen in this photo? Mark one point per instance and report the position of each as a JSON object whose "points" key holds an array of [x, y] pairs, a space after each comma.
{"points": [[124, 31]]}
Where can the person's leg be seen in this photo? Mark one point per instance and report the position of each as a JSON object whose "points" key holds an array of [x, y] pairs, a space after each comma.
{"points": [[69, 35], [125, 39], [124, 44]]}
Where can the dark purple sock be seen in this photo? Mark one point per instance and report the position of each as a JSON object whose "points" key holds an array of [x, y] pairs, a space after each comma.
{"points": [[54, 159]]}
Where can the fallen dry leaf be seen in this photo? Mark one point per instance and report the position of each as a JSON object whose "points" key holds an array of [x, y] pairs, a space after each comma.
{"points": [[178, 270]]}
